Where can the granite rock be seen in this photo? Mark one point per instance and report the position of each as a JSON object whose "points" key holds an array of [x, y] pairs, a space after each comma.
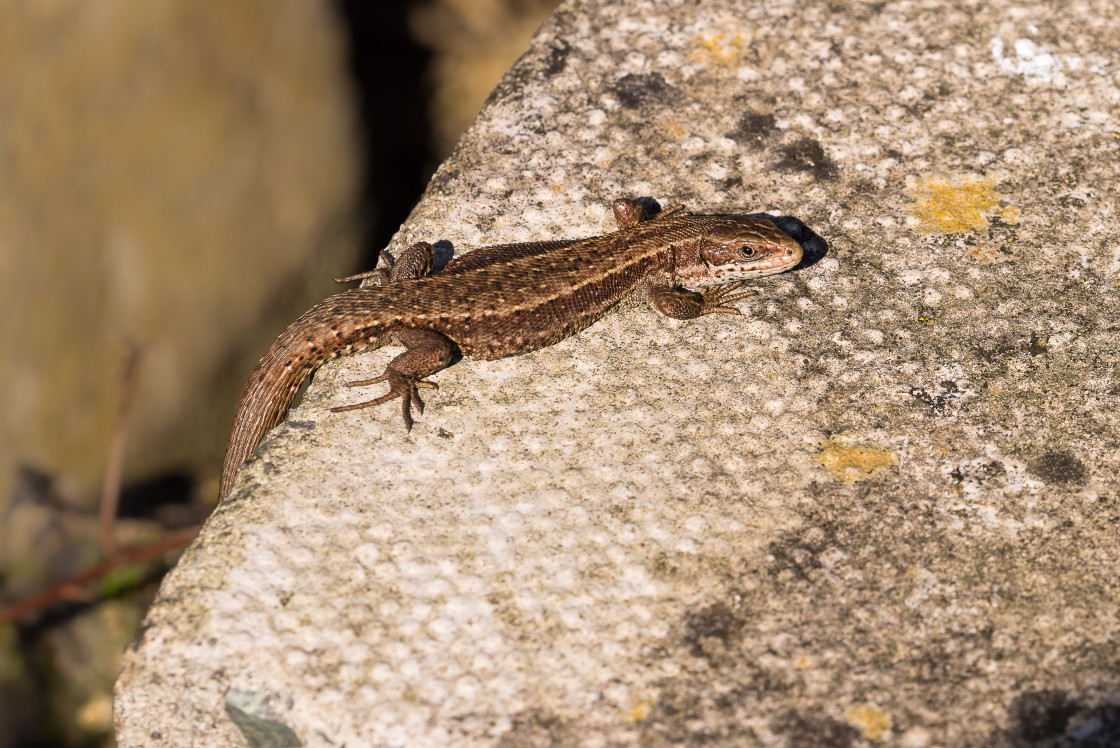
{"points": [[879, 509]]}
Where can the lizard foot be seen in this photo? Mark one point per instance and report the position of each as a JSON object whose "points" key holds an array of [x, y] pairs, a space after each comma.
{"points": [[628, 212], [717, 299], [400, 385], [414, 262]]}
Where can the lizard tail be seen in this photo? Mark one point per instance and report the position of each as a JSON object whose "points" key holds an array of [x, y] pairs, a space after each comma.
{"points": [[272, 386]]}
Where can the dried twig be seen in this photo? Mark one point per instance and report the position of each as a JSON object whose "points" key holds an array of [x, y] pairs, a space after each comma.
{"points": [[75, 586], [114, 465]]}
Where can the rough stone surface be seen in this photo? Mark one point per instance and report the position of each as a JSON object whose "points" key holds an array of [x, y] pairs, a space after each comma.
{"points": [[880, 509]]}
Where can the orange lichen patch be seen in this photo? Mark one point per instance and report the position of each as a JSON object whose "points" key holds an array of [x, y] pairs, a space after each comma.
{"points": [[641, 709], [851, 461], [943, 204], [872, 722], [985, 252], [674, 129], [723, 48]]}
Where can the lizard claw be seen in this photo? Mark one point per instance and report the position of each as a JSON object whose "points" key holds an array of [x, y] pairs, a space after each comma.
{"points": [[719, 298], [379, 273], [382, 274], [400, 385]]}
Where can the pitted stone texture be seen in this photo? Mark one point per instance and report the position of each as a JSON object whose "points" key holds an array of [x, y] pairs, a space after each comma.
{"points": [[880, 509]]}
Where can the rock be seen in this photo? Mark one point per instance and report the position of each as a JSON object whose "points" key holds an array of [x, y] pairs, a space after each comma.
{"points": [[879, 509]]}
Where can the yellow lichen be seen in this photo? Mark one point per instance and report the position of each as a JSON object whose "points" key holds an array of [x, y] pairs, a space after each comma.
{"points": [[944, 204], [674, 129], [851, 461], [723, 48], [985, 252], [872, 722], [641, 709]]}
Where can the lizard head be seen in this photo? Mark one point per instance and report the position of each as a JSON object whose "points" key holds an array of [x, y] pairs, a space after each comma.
{"points": [[739, 247]]}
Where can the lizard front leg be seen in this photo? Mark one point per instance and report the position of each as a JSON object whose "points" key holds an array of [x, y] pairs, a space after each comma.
{"points": [[680, 303], [428, 352]]}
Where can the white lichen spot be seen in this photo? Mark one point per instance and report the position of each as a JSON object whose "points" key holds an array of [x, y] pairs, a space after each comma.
{"points": [[916, 737], [367, 554], [818, 283], [716, 171], [1031, 61], [696, 523], [910, 277], [875, 336]]}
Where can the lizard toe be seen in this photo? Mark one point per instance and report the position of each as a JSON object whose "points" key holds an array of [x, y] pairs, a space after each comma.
{"points": [[400, 385], [718, 299]]}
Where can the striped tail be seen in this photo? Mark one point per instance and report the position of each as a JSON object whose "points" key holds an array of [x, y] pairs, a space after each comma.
{"points": [[272, 386]]}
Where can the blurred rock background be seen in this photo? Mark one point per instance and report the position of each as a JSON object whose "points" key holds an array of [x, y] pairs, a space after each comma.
{"points": [[182, 180], [473, 43]]}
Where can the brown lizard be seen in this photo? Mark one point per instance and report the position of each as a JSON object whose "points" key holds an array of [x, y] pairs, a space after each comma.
{"points": [[508, 299]]}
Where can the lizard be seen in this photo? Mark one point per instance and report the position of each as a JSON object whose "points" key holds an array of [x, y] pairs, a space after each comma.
{"points": [[506, 300]]}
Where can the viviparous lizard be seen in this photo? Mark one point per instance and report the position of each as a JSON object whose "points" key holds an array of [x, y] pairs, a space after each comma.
{"points": [[505, 300]]}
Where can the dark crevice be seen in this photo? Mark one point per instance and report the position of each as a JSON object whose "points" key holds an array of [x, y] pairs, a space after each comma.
{"points": [[387, 68]]}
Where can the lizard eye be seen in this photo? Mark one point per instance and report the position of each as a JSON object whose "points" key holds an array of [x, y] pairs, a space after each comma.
{"points": [[748, 251]]}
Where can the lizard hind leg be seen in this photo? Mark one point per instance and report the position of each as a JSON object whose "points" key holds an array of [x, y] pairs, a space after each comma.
{"points": [[428, 352], [415, 262], [399, 386]]}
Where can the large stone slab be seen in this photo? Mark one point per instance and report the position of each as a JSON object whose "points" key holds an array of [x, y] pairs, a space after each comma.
{"points": [[881, 508]]}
